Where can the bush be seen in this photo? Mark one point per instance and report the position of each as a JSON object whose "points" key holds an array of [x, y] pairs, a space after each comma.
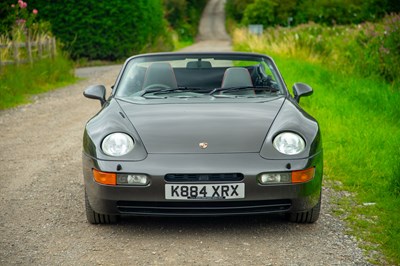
{"points": [[106, 29], [329, 12], [379, 48], [326, 12], [17, 13], [269, 12], [260, 12], [6, 21], [341, 12]]}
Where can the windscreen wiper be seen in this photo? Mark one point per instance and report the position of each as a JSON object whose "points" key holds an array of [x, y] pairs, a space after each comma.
{"points": [[255, 88], [160, 90]]}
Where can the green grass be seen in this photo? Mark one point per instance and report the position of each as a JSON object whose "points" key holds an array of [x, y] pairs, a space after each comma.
{"points": [[359, 119], [18, 83], [354, 71]]}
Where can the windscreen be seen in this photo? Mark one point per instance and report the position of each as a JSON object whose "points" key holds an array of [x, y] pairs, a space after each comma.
{"points": [[202, 76]]}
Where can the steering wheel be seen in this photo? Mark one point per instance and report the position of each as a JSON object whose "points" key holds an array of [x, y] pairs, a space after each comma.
{"points": [[156, 85]]}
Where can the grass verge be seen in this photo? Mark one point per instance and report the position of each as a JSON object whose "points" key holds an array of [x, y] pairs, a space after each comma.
{"points": [[18, 83], [357, 106], [359, 119]]}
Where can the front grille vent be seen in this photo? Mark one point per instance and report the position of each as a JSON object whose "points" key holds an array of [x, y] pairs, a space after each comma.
{"points": [[204, 177], [203, 208]]}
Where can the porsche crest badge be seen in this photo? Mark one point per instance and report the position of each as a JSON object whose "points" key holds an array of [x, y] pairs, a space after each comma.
{"points": [[203, 145]]}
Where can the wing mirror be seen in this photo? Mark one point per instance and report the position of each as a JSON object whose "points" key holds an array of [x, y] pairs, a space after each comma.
{"points": [[301, 90], [97, 92]]}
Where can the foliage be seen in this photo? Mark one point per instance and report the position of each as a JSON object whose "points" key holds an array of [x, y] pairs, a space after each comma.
{"points": [[360, 127], [260, 12], [13, 13], [358, 111], [381, 45], [369, 49], [184, 16], [5, 20], [327, 12], [107, 29], [25, 29], [18, 83], [269, 12], [342, 12], [235, 8], [330, 12], [17, 18], [22, 16]]}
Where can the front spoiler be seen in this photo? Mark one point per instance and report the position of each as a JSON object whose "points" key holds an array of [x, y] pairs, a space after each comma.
{"points": [[150, 200]]}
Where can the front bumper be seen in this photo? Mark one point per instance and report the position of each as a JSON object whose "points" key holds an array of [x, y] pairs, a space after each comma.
{"points": [[150, 199]]}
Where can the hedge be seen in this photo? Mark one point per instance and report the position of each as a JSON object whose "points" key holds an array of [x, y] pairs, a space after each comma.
{"points": [[327, 12], [105, 29]]}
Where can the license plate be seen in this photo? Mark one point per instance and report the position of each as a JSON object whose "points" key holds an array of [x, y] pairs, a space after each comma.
{"points": [[206, 191]]}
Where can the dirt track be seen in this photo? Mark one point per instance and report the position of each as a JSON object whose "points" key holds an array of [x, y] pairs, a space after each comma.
{"points": [[42, 219]]}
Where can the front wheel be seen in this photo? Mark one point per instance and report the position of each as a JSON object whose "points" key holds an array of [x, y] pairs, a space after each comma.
{"points": [[97, 218], [309, 216]]}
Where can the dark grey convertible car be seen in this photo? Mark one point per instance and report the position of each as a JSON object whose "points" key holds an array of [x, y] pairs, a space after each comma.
{"points": [[201, 134]]}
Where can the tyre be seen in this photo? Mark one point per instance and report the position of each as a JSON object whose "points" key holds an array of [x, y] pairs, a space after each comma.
{"points": [[97, 218], [309, 216]]}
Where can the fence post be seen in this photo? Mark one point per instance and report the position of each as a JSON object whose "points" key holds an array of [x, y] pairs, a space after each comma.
{"points": [[16, 56], [48, 47], [28, 46], [53, 48], [39, 47]]}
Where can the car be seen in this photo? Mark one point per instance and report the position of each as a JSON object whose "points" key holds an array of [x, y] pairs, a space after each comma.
{"points": [[201, 134]]}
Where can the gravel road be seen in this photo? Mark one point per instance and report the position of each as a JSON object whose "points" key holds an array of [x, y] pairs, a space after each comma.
{"points": [[42, 220]]}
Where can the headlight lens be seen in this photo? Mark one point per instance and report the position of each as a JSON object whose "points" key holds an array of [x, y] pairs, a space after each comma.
{"points": [[117, 144], [289, 143]]}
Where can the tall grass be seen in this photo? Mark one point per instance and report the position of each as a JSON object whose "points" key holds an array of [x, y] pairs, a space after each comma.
{"points": [[361, 133], [369, 49], [359, 117], [18, 83], [48, 70]]}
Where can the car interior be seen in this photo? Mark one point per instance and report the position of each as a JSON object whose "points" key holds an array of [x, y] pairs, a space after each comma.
{"points": [[197, 74]]}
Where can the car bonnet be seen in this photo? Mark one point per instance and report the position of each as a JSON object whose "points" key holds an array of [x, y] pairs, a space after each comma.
{"points": [[203, 127]]}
